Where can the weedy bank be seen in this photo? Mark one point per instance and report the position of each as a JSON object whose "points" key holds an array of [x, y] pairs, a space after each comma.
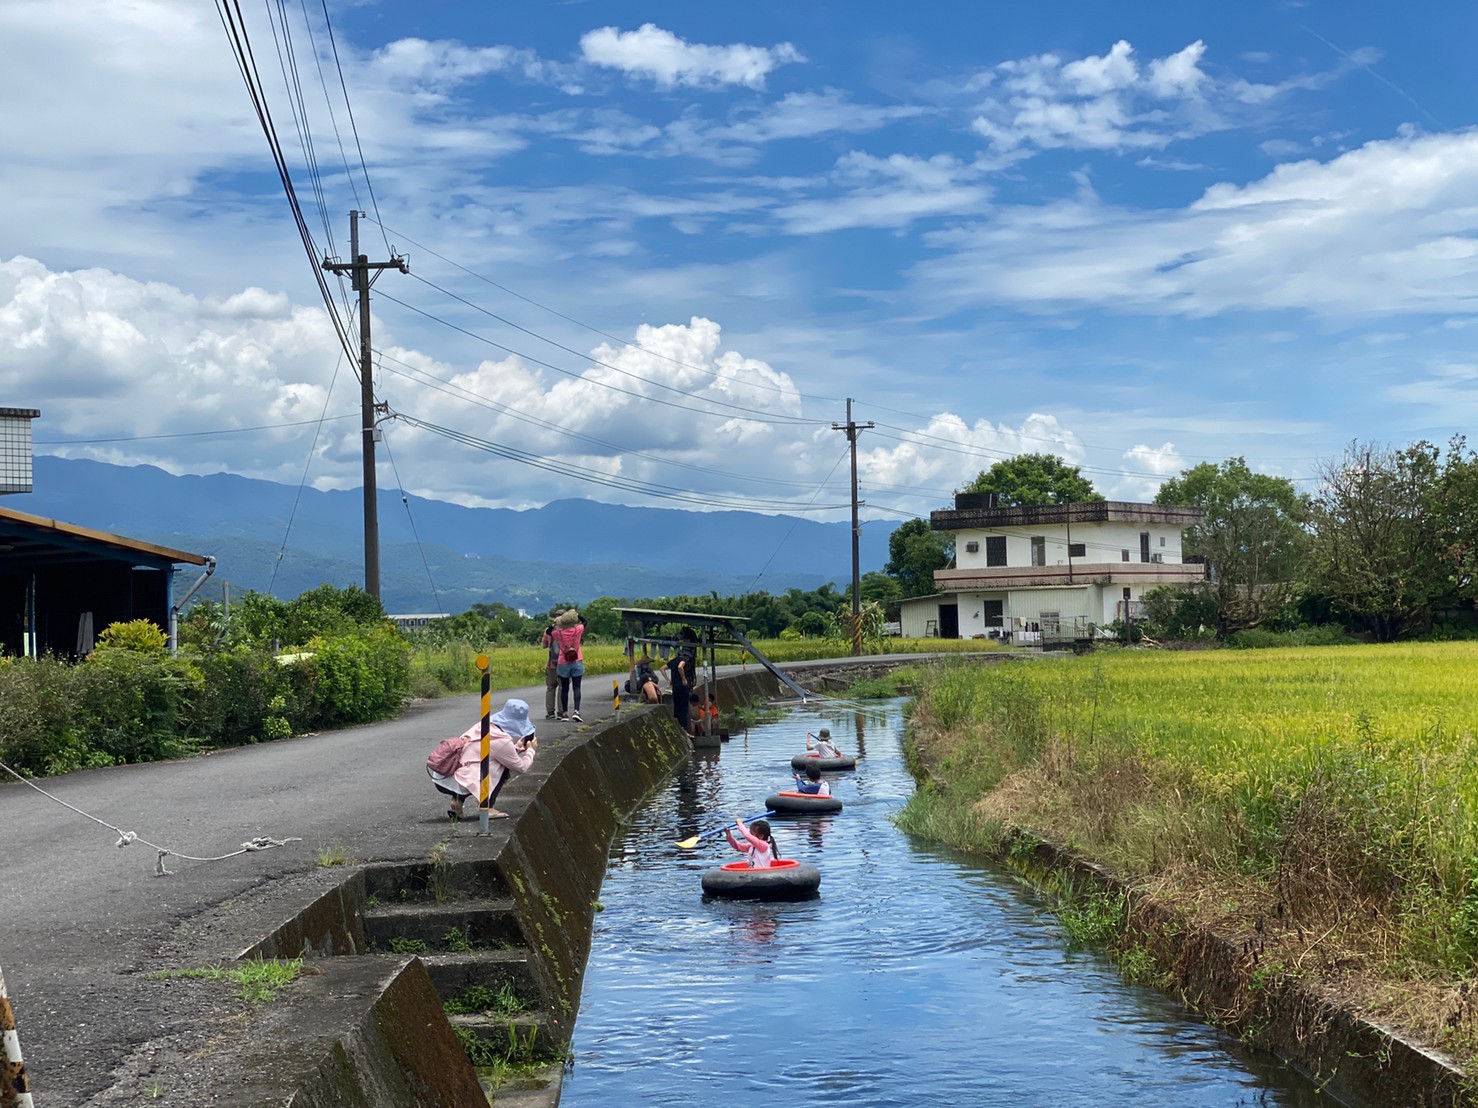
{"points": [[1319, 800]]}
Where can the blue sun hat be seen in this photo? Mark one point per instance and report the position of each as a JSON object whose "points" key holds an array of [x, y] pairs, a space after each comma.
{"points": [[513, 719]]}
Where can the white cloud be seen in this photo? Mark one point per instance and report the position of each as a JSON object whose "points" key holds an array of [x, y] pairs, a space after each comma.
{"points": [[1388, 227], [672, 62], [1148, 467], [890, 192], [1098, 102], [1111, 102], [950, 451]]}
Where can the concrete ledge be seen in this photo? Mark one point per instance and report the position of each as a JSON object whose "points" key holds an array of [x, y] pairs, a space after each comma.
{"points": [[355, 1033], [1352, 1058]]}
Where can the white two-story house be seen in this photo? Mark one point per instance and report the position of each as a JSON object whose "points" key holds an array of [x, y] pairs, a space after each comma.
{"points": [[1030, 574]]}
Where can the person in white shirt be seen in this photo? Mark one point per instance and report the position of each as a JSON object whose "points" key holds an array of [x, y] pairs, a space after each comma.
{"points": [[821, 745]]}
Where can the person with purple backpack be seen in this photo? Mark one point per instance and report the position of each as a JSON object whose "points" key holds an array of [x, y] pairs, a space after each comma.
{"points": [[455, 766]]}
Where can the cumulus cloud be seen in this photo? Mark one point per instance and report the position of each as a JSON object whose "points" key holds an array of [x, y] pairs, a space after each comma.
{"points": [[1112, 102], [949, 451], [672, 62]]}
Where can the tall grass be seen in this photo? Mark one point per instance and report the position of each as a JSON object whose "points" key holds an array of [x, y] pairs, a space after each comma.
{"points": [[1345, 779]]}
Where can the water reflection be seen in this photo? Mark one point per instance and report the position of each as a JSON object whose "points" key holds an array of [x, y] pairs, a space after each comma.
{"points": [[919, 976]]}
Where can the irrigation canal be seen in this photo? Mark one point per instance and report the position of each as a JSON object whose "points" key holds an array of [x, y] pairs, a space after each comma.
{"points": [[920, 976]]}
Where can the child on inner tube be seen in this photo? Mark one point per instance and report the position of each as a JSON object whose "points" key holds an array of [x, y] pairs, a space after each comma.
{"points": [[758, 846], [823, 747], [812, 785]]}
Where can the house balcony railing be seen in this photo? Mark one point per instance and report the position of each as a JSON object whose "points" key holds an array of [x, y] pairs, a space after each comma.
{"points": [[1140, 574]]}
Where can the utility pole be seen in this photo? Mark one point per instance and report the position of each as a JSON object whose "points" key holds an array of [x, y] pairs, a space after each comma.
{"points": [[851, 429], [359, 280]]}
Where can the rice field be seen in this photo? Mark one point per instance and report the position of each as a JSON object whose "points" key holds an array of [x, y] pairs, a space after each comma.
{"points": [[1348, 772]]}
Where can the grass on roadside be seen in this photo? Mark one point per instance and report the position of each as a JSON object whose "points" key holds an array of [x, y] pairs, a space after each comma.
{"points": [[257, 980]]}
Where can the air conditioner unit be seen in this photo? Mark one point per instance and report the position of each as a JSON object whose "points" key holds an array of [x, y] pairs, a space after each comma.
{"points": [[972, 547], [1157, 557]]}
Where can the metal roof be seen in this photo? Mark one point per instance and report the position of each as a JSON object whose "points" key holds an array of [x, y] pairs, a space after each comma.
{"points": [[26, 539], [692, 619]]}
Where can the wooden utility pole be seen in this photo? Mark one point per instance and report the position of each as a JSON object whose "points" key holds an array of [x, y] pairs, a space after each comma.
{"points": [[358, 269], [851, 429]]}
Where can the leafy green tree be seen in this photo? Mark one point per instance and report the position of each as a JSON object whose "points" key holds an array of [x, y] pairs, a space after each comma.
{"points": [[1035, 479], [915, 551], [1252, 539], [881, 589], [1374, 550], [1452, 510]]}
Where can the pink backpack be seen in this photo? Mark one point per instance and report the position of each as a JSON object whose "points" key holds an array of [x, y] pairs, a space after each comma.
{"points": [[447, 756]]}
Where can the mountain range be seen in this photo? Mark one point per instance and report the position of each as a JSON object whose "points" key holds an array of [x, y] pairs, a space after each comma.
{"points": [[442, 557]]}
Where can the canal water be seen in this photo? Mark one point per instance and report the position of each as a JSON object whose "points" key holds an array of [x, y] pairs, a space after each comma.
{"points": [[919, 976]]}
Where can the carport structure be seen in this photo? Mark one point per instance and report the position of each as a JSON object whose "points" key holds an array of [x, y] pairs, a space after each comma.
{"points": [[60, 583], [650, 628]]}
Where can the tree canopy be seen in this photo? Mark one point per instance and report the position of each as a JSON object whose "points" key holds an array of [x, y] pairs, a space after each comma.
{"points": [[1034, 479], [1251, 537], [915, 551]]}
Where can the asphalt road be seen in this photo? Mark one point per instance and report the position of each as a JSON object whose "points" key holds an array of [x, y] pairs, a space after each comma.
{"points": [[84, 922]]}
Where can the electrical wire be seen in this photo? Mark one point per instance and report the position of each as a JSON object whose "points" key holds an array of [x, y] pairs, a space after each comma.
{"points": [[628, 484], [746, 411], [199, 434], [303, 481], [420, 547]]}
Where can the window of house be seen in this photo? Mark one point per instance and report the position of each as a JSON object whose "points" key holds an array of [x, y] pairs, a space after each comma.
{"points": [[1144, 546], [1039, 550], [1126, 555], [1077, 550], [995, 550], [1051, 622], [994, 613], [1162, 540]]}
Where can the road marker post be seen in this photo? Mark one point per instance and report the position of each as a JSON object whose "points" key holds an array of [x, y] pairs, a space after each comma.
{"points": [[483, 786], [15, 1086]]}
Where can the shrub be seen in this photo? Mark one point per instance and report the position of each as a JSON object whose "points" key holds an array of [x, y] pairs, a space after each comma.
{"points": [[236, 690], [358, 678], [131, 705], [37, 735], [138, 635]]}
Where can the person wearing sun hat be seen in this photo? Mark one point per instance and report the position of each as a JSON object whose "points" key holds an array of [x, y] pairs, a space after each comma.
{"points": [[512, 745], [823, 747], [569, 634]]}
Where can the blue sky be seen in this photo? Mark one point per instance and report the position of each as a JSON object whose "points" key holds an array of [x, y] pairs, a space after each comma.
{"points": [[656, 245]]}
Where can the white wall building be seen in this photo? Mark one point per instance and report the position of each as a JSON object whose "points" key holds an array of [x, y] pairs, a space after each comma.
{"points": [[1032, 574]]}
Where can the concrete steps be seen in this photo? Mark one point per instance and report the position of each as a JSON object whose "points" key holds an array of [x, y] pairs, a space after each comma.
{"points": [[482, 923]]}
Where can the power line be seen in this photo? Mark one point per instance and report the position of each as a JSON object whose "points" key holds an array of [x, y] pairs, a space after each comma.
{"points": [[746, 411], [628, 484], [196, 434], [756, 418]]}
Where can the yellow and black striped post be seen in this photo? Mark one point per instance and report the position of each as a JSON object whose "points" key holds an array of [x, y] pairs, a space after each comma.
{"points": [[616, 696], [484, 785], [15, 1087]]}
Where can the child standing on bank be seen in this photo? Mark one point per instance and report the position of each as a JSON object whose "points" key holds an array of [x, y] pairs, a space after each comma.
{"points": [[758, 845]]}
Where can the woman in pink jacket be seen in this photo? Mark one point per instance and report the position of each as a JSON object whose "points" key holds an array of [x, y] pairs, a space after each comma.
{"points": [[568, 636], [511, 749]]}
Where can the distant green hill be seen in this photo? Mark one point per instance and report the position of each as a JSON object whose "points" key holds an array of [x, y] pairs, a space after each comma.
{"points": [[568, 550]]}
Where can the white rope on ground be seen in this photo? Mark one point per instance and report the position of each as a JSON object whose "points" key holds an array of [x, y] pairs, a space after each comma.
{"points": [[261, 842]]}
